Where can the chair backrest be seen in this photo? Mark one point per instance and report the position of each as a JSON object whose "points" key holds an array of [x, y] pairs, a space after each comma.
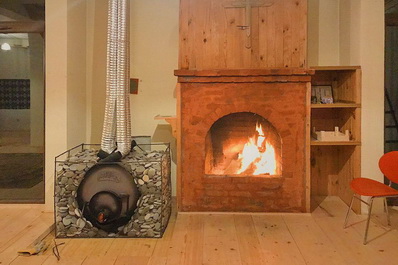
{"points": [[388, 165]]}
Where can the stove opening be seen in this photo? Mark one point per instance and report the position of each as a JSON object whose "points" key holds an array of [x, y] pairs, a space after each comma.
{"points": [[107, 196], [243, 144]]}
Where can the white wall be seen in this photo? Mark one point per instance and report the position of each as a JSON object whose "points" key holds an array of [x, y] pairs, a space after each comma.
{"points": [[76, 67], [154, 57], [328, 33], [76, 72], [361, 42], [14, 119], [372, 62], [14, 64], [56, 90], [36, 49]]}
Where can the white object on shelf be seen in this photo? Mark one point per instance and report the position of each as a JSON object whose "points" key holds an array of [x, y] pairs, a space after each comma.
{"points": [[331, 136]]}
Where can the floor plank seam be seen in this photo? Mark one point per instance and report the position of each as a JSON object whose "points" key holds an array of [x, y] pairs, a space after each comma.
{"points": [[295, 242]]}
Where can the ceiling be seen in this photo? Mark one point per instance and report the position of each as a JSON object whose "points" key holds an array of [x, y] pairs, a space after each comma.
{"points": [[22, 10], [21, 16], [391, 12]]}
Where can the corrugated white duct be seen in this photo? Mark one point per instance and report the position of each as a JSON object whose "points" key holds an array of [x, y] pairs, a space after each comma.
{"points": [[116, 133]]}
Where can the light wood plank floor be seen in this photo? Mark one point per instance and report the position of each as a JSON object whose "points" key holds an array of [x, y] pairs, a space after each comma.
{"points": [[231, 239]]}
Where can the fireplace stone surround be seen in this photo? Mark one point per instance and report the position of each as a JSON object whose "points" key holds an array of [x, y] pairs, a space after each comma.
{"points": [[281, 97]]}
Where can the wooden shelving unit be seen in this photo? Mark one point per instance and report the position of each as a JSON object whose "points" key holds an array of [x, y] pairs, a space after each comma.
{"points": [[335, 106], [335, 164], [315, 142]]}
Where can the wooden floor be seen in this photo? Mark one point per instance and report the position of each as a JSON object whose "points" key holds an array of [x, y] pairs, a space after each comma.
{"points": [[316, 238]]}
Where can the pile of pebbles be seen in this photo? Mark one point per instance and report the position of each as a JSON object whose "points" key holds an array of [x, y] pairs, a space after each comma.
{"points": [[151, 173]]}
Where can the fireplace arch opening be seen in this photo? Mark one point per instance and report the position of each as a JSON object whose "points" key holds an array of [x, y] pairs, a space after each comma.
{"points": [[243, 144]]}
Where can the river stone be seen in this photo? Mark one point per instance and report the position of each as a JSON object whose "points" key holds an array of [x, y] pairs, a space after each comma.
{"points": [[151, 172], [150, 233], [66, 221], [145, 178], [92, 233], [63, 214], [59, 168], [73, 159], [72, 230], [141, 182], [151, 154], [73, 219], [63, 209], [61, 226], [63, 180], [73, 167], [81, 167], [102, 233], [131, 233], [71, 187], [89, 224], [147, 216], [78, 213], [140, 169], [69, 174], [156, 166], [157, 226], [80, 223], [156, 216]]}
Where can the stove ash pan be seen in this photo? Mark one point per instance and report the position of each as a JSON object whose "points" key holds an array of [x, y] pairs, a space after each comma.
{"points": [[107, 196]]}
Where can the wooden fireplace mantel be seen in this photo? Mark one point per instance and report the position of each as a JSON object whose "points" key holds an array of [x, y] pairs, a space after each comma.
{"points": [[270, 75]]}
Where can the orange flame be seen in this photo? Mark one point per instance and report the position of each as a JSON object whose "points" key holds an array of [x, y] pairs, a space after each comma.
{"points": [[258, 154]]}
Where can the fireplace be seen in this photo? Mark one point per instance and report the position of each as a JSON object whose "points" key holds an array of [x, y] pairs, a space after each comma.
{"points": [[243, 144], [243, 140]]}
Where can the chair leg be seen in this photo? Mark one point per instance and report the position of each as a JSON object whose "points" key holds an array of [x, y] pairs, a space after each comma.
{"points": [[348, 212], [367, 222], [386, 210]]}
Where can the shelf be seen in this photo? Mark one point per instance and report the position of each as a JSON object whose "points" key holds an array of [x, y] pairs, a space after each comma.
{"points": [[335, 106], [333, 164], [315, 142], [172, 120], [335, 68]]}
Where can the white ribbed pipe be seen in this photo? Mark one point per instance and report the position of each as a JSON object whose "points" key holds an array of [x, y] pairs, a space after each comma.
{"points": [[117, 126], [123, 135]]}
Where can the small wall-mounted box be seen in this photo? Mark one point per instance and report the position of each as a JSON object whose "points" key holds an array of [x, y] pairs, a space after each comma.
{"points": [[331, 136]]}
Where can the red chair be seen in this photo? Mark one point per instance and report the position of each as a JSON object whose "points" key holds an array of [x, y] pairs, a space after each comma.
{"points": [[388, 165]]}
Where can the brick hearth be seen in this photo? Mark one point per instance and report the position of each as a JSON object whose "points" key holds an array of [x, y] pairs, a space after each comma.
{"points": [[278, 95]]}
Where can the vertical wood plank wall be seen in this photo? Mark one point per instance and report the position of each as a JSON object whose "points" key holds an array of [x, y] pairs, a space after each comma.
{"points": [[210, 37]]}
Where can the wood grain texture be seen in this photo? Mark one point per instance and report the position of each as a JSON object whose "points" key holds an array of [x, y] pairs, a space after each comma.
{"points": [[234, 239], [221, 240], [335, 164], [22, 27], [212, 36]]}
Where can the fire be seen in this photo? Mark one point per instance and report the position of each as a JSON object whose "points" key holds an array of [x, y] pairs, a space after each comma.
{"points": [[258, 155]]}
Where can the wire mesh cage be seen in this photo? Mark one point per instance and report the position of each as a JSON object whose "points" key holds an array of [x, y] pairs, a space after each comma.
{"points": [[149, 167]]}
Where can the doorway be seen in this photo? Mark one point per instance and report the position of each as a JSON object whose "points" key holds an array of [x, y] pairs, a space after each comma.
{"points": [[22, 102]]}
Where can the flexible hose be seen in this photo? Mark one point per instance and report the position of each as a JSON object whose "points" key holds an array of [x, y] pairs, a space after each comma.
{"points": [[117, 124]]}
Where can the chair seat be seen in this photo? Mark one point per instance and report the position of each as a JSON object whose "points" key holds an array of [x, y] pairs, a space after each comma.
{"points": [[370, 187]]}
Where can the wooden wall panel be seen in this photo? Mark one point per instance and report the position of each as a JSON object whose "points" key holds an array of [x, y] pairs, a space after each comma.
{"points": [[211, 39]]}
